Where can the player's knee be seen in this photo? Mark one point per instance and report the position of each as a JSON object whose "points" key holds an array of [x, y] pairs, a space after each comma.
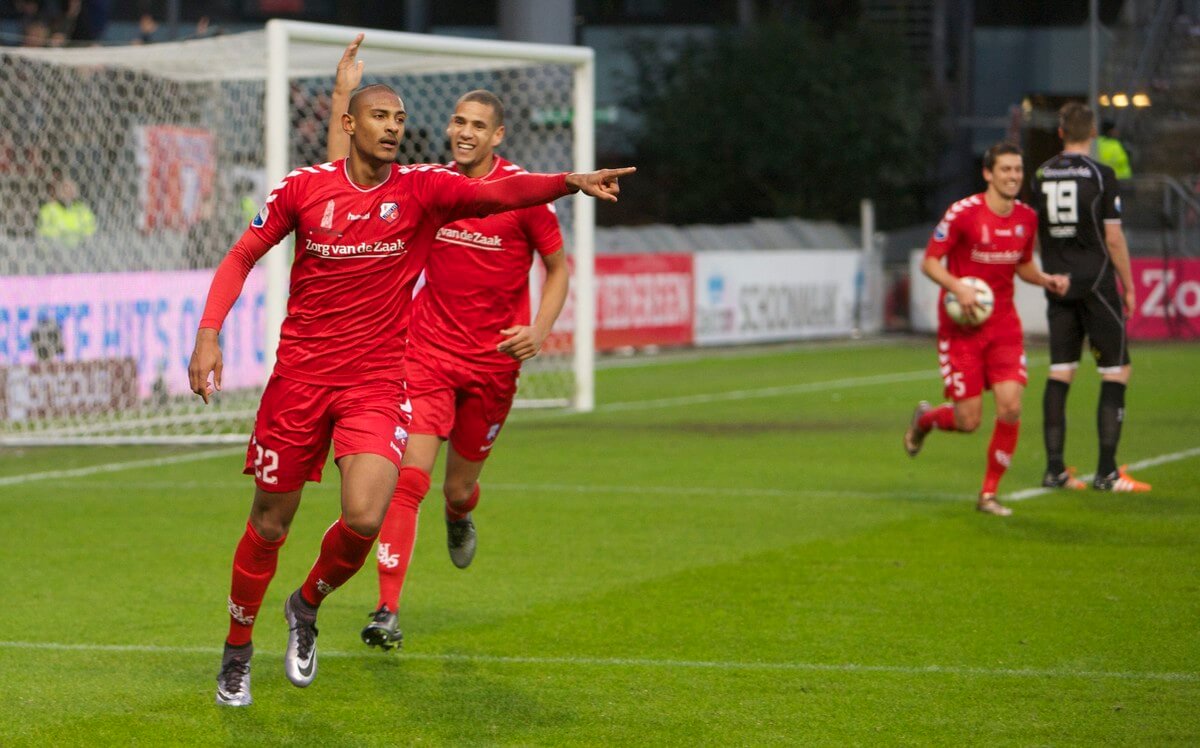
{"points": [[1008, 413], [1064, 375], [1121, 376], [271, 520], [458, 493], [363, 521], [966, 422], [268, 527]]}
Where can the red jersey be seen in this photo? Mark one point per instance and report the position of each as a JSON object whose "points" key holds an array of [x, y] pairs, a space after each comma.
{"points": [[358, 253], [477, 281], [975, 241]]}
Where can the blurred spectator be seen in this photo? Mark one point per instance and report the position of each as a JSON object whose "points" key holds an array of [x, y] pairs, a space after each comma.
{"points": [[91, 20], [248, 202], [36, 33], [146, 28], [46, 339], [65, 219], [1111, 151]]}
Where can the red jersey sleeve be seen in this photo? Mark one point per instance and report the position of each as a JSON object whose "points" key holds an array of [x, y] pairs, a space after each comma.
{"points": [[449, 196], [541, 227], [275, 221], [1031, 226], [945, 234], [277, 218], [231, 276]]}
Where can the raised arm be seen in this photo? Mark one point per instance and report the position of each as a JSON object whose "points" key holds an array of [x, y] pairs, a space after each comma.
{"points": [[349, 75]]}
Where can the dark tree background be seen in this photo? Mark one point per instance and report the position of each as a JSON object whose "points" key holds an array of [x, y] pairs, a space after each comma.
{"points": [[781, 120]]}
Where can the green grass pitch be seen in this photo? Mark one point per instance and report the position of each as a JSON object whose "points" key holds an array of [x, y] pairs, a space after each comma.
{"points": [[732, 550]]}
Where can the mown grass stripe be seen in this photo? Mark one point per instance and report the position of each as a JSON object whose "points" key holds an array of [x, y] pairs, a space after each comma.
{"points": [[618, 662]]}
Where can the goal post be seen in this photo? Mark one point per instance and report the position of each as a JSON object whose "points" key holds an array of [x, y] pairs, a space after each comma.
{"points": [[172, 146]]}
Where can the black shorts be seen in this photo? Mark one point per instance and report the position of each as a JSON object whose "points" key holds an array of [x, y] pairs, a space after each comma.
{"points": [[1100, 317]]}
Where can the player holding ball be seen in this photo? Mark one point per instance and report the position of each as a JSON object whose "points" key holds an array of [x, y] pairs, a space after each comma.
{"points": [[987, 236]]}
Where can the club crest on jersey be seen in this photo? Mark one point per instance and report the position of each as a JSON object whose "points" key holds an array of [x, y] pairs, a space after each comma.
{"points": [[260, 220], [389, 211], [1020, 230]]}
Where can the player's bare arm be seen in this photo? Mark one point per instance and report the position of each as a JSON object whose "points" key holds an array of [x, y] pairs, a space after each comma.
{"points": [[937, 272], [206, 360], [525, 341], [1118, 250], [348, 77], [601, 184], [1054, 283]]}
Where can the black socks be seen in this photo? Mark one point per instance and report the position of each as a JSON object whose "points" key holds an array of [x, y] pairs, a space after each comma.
{"points": [[1109, 415], [1054, 424]]}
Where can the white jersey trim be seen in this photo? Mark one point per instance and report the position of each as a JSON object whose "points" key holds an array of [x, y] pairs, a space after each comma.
{"points": [[346, 172]]}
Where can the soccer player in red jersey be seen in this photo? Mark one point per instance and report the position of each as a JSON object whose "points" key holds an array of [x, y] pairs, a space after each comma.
{"points": [[990, 236], [364, 228], [470, 331]]}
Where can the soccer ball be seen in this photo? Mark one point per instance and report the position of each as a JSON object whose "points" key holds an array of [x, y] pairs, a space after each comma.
{"points": [[985, 302]]}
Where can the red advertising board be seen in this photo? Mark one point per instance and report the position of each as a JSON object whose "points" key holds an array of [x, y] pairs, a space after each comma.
{"points": [[177, 166], [644, 299], [1168, 299], [641, 300]]}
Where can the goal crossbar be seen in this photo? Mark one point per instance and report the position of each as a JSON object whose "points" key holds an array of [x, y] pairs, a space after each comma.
{"points": [[274, 64]]}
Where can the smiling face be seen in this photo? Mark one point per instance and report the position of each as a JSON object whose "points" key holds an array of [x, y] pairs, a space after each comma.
{"points": [[474, 131], [375, 123], [1006, 175]]}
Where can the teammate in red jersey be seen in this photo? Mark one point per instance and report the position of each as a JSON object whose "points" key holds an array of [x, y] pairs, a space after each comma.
{"points": [[990, 236], [470, 332], [364, 228]]}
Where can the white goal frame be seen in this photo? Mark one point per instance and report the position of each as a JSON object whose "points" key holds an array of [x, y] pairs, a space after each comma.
{"points": [[281, 34], [272, 61]]}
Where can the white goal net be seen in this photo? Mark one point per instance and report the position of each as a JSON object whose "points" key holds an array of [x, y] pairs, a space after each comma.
{"points": [[158, 157]]}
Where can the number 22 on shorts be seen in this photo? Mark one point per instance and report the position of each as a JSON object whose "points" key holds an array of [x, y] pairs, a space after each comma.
{"points": [[266, 462]]}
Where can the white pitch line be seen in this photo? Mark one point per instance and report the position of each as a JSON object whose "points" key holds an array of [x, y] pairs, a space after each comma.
{"points": [[780, 493], [578, 489], [114, 467], [617, 406], [1030, 493], [765, 350], [788, 389], [619, 662]]}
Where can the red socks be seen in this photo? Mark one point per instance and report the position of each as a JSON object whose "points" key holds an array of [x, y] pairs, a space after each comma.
{"points": [[454, 514], [941, 418], [399, 534], [1000, 452], [254, 564], [343, 552]]}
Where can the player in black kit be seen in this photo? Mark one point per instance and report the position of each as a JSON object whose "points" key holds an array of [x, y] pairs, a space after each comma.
{"points": [[1079, 227]]}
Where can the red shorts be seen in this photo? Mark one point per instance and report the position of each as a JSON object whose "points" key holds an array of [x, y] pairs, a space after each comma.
{"points": [[459, 402], [296, 422], [971, 362]]}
